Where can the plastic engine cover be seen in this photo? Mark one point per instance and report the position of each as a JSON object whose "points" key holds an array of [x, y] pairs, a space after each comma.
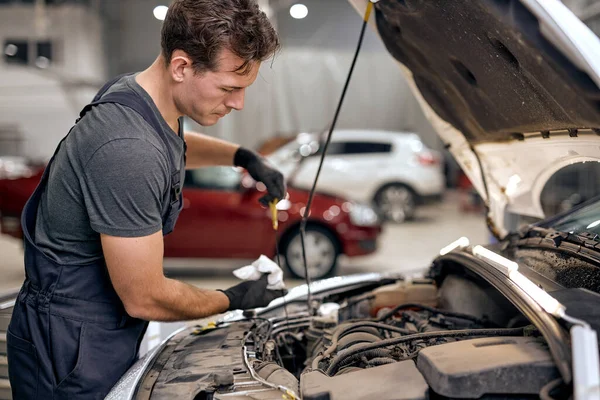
{"points": [[397, 381], [473, 368], [389, 296]]}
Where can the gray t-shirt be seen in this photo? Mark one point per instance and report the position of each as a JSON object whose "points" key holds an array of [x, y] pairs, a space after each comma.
{"points": [[112, 176]]}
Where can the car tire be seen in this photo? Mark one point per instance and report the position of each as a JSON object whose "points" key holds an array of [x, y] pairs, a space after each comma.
{"points": [[322, 251], [396, 203]]}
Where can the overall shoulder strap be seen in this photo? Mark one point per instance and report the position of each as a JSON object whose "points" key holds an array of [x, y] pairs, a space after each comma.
{"points": [[130, 100], [108, 85]]}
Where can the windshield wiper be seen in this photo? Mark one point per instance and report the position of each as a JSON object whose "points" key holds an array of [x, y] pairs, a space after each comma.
{"points": [[584, 239]]}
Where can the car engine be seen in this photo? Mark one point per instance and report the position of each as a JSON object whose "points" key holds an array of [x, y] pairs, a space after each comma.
{"points": [[396, 341]]}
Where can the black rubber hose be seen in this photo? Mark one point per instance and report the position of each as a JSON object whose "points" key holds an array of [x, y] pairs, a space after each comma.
{"points": [[335, 364], [378, 353], [289, 326], [351, 358], [433, 310], [375, 362], [339, 332], [548, 388], [359, 299]]}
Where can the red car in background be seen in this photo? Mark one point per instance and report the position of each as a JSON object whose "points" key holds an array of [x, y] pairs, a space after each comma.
{"points": [[15, 190], [222, 218]]}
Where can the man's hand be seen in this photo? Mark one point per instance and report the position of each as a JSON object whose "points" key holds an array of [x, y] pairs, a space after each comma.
{"points": [[258, 169], [252, 294]]}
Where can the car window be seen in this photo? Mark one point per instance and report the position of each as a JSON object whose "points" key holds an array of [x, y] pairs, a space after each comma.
{"points": [[366, 147], [213, 178], [334, 148], [570, 186], [357, 147]]}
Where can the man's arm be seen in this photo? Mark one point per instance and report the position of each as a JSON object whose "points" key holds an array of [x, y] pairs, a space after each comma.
{"points": [[203, 151], [136, 271]]}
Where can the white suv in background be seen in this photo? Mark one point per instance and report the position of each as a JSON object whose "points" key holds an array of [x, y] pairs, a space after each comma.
{"points": [[394, 171]]}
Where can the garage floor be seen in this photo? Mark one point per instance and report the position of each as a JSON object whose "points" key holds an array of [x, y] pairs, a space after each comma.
{"points": [[407, 247]]}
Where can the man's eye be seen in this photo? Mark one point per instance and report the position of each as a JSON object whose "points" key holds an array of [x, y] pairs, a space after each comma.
{"points": [[227, 90]]}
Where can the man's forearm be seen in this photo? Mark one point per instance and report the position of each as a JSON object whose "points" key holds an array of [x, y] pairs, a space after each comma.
{"points": [[178, 301], [203, 151]]}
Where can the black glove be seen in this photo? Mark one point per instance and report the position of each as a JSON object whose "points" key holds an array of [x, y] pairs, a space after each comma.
{"points": [[258, 169], [251, 294]]}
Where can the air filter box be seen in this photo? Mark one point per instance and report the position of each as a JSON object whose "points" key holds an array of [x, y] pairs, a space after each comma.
{"points": [[473, 368]]}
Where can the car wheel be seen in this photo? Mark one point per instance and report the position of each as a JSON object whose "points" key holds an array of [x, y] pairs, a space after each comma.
{"points": [[396, 203], [322, 252]]}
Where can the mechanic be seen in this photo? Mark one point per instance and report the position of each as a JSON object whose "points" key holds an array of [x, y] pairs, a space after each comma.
{"points": [[94, 226]]}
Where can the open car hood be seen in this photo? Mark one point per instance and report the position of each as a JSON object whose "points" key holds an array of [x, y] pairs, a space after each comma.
{"points": [[511, 86]]}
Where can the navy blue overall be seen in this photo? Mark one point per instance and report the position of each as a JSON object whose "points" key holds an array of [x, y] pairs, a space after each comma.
{"points": [[69, 336]]}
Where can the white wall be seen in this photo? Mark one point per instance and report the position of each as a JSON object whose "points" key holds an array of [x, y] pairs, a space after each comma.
{"points": [[132, 34], [43, 103]]}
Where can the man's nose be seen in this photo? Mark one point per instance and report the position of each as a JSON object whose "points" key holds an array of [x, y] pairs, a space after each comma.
{"points": [[236, 99]]}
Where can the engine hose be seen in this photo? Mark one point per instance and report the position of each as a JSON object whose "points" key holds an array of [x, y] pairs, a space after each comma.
{"points": [[288, 327], [375, 362], [424, 326], [339, 332], [286, 323], [349, 359], [378, 353], [548, 388], [358, 349], [316, 361], [433, 310], [358, 299]]}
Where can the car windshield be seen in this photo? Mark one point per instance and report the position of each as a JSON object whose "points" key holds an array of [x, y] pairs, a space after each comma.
{"points": [[582, 220]]}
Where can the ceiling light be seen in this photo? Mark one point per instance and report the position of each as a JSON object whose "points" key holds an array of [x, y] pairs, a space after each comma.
{"points": [[42, 62], [11, 50], [160, 12], [298, 11]]}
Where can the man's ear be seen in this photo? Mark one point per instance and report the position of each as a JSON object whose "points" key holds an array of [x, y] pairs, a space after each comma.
{"points": [[180, 65]]}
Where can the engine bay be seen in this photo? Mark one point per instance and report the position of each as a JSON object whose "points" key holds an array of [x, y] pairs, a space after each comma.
{"points": [[400, 340]]}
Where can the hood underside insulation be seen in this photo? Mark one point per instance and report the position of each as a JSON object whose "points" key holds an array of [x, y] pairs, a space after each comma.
{"points": [[485, 67]]}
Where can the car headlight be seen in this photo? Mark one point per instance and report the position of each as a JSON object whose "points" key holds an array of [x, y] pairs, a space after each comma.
{"points": [[363, 215]]}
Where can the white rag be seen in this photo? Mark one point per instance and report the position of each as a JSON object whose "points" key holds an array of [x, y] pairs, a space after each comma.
{"points": [[264, 265]]}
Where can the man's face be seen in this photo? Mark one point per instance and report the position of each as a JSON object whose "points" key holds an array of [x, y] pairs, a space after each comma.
{"points": [[206, 97]]}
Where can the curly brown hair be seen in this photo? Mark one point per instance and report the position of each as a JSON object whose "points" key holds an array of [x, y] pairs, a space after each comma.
{"points": [[202, 28]]}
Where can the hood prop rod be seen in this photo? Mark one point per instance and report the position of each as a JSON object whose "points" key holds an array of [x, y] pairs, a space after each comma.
{"points": [[489, 221], [325, 146]]}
